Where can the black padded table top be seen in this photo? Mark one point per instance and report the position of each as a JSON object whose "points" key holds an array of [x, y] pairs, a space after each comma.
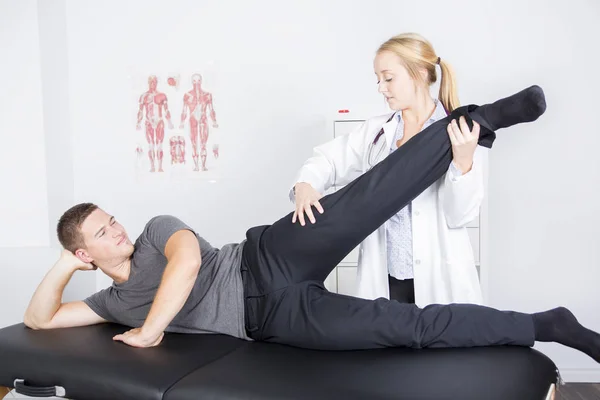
{"points": [[268, 371], [90, 365]]}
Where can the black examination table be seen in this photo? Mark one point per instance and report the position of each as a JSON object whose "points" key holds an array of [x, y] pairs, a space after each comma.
{"points": [[84, 363]]}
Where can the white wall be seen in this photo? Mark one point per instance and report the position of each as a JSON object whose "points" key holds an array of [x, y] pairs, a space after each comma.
{"points": [[282, 73], [278, 81], [35, 152], [544, 202], [23, 230], [22, 153]]}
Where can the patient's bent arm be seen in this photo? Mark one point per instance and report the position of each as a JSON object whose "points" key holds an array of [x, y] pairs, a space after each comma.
{"points": [[46, 309], [75, 313]]}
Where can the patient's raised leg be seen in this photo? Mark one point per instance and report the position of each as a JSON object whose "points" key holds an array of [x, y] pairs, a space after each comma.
{"points": [[352, 213]]}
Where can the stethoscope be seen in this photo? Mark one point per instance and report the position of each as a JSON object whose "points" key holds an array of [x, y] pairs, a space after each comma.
{"points": [[372, 159]]}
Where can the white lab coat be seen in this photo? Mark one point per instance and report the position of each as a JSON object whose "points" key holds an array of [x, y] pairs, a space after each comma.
{"points": [[444, 265]]}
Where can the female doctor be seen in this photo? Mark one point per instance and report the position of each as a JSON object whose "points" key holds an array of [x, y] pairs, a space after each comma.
{"points": [[423, 254]]}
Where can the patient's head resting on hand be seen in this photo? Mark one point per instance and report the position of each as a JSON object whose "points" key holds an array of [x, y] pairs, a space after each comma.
{"points": [[94, 236]]}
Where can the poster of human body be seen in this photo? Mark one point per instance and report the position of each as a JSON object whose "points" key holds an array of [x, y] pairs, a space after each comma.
{"points": [[153, 111], [176, 126]]}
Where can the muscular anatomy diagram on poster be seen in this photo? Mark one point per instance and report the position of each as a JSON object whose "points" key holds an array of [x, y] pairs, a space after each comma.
{"points": [[176, 125]]}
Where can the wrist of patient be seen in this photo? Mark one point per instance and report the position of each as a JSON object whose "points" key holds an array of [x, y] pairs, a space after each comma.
{"points": [[149, 331], [65, 267]]}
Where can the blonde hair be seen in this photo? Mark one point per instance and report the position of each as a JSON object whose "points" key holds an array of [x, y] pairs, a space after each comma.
{"points": [[417, 53]]}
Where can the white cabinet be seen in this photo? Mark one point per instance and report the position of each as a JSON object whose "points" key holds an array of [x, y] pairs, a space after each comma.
{"points": [[346, 280], [341, 128], [343, 278], [331, 281], [351, 258]]}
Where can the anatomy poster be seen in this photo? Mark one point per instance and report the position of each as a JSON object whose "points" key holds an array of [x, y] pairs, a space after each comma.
{"points": [[175, 123]]}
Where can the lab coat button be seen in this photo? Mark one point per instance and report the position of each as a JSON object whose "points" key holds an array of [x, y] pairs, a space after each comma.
{"points": [[417, 261], [417, 212]]}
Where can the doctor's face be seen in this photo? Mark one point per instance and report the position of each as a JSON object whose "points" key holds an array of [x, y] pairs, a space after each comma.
{"points": [[394, 81]]}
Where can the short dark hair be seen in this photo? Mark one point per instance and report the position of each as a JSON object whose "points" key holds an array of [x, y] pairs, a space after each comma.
{"points": [[69, 226]]}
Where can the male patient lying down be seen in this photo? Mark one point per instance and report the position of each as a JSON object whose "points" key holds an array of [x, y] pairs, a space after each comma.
{"points": [[270, 287]]}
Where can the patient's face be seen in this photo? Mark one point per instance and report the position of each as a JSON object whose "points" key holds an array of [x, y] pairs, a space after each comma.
{"points": [[394, 81], [105, 238]]}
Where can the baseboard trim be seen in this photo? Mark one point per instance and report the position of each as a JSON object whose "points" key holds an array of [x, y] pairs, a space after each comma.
{"points": [[580, 375]]}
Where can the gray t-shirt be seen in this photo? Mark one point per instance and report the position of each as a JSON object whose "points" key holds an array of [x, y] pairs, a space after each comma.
{"points": [[215, 304]]}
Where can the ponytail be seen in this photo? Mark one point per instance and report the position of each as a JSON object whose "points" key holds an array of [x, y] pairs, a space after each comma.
{"points": [[448, 91]]}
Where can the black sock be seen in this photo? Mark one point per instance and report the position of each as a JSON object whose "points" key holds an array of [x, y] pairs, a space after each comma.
{"points": [[525, 106], [560, 325]]}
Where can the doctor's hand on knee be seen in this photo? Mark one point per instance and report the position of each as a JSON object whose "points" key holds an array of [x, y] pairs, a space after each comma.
{"points": [[306, 197]]}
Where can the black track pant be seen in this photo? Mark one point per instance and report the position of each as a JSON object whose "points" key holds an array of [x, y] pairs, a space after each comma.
{"points": [[285, 265]]}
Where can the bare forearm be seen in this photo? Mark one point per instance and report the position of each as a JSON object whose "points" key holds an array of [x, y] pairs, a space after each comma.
{"points": [[174, 290], [47, 298]]}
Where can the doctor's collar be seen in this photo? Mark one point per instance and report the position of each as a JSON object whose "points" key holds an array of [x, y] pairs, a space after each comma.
{"points": [[438, 113]]}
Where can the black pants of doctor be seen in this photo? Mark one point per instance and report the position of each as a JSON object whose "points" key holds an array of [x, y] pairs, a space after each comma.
{"points": [[284, 266], [402, 290]]}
